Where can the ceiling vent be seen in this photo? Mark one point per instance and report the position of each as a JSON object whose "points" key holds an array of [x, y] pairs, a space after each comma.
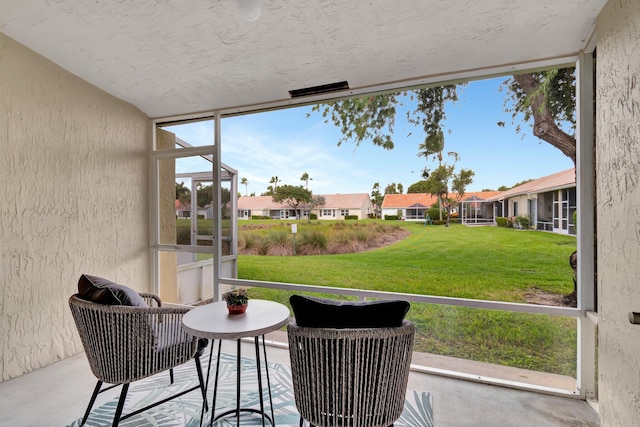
{"points": [[315, 90]]}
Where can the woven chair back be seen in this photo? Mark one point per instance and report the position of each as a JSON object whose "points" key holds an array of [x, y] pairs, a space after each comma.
{"points": [[350, 377]]}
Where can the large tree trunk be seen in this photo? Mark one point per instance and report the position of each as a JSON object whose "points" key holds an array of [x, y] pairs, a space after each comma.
{"points": [[544, 126]]}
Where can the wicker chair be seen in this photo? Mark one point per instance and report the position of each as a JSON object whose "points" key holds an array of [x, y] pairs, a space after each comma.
{"points": [[350, 377], [125, 344]]}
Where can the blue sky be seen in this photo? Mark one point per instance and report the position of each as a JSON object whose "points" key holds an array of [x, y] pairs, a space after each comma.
{"points": [[287, 143]]}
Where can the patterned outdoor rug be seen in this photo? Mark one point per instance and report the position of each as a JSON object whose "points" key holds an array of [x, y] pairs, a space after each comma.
{"points": [[185, 410]]}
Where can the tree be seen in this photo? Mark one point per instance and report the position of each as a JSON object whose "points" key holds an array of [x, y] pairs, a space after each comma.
{"points": [[245, 182], [305, 177], [438, 184], [433, 146], [400, 188], [204, 195], [272, 189], [376, 198], [547, 97], [225, 198], [391, 188], [459, 184], [444, 178], [418, 187], [293, 196], [373, 117], [524, 181], [183, 194], [315, 202]]}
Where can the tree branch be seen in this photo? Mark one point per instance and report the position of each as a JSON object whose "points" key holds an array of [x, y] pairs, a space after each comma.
{"points": [[544, 125]]}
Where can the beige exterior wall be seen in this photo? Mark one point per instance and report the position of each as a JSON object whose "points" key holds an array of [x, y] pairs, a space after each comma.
{"points": [[618, 211], [523, 206], [73, 199]]}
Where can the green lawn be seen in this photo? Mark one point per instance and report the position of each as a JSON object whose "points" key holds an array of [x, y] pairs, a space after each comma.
{"points": [[468, 262]]}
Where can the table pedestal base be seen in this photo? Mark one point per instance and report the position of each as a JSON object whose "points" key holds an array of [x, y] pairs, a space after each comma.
{"points": [[238, 410], [250, 410]]}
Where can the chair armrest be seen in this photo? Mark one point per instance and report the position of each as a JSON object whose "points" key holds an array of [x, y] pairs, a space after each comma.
{"points": [[124, 343], [152, 300]]}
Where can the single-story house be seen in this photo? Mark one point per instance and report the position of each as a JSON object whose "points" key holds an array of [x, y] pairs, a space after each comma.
{"points": [[264, 206], [413, 206], [336, 206], [549, 202], [183, 210]]}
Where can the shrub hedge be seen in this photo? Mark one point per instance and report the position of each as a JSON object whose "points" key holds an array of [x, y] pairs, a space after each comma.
{"points": [[502, 221], [522, 221]]}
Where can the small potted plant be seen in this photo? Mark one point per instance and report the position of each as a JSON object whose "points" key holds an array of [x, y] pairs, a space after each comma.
{"points": [[236, 300]]}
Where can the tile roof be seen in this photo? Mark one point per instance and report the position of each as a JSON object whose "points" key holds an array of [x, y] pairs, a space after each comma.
{"points": [[332, 201], [182, 206], [405, 200], [259, 202], [484, 195], [555, 181], [343, 201]]}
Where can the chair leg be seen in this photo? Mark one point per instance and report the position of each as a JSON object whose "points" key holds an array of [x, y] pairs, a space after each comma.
{"points": [[201, 379], [96, 390], [123, 396]]}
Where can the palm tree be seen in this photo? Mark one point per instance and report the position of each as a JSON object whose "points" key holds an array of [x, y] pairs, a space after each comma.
{"points": [[274, 181], [305, 177], [182, 193], [245, 182]]}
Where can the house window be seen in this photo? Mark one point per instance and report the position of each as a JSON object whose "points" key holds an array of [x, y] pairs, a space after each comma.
{"points": [[344, 212], [328, 212], [515, 208]]}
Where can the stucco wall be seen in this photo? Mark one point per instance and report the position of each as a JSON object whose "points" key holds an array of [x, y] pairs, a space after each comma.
{"points": [[73, 199], [523, 206], [618, 211]]}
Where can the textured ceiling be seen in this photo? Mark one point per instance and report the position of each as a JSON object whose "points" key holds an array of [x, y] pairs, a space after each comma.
{"points": [[170, 57]]}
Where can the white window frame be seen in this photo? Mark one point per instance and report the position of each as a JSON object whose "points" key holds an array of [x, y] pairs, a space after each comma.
{"points": [[584, 313]]}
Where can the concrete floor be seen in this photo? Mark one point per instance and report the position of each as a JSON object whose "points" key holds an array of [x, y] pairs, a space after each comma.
{"points": [[58, 394]]}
